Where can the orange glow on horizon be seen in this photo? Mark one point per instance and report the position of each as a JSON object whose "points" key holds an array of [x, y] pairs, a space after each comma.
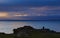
{"points": [[3, 14]]}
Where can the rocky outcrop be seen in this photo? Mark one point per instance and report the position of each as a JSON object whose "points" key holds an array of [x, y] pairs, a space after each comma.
{"points": [[27, 30], [23, 31]]}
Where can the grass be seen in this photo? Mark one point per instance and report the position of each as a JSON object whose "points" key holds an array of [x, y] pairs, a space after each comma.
{"points": [[34, 35], [43, 35]]}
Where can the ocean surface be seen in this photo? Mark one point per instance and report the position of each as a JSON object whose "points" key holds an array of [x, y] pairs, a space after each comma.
{"points": [[8, 26]]}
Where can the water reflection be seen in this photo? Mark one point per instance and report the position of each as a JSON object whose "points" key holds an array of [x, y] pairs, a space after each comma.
{"points": [[8, 26]]}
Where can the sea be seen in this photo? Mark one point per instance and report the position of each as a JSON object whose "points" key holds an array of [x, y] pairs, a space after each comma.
{"points": [[8, 26]]}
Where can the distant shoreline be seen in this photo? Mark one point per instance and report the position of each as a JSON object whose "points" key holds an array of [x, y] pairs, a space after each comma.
{"points": [[29, 20]]}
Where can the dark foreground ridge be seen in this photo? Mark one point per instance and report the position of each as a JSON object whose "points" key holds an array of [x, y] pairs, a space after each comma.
{"points": [[30, 32]]}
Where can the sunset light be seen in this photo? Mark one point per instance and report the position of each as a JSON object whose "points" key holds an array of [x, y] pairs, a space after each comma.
{"points": [[3, 15], [20, 15]]}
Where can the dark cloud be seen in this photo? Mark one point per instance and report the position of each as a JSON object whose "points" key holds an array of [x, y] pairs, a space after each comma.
{"points": [[30, 8]]}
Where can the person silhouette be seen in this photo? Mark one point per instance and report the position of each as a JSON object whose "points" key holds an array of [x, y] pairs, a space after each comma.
{"points": [[43, 28]]}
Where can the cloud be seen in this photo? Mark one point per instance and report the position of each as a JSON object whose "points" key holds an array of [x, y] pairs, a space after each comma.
{"points": [[19, 8], [31, 11]]}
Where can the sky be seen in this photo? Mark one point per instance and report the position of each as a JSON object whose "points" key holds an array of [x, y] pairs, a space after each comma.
{"points": [[29, 9]]}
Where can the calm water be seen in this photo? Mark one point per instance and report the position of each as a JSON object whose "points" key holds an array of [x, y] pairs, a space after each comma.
{"points": [[8, 26]]}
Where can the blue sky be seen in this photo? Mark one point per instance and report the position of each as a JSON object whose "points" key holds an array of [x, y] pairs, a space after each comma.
{"points": [[29, 9]]}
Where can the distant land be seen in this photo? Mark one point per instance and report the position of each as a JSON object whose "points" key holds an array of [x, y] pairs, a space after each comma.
{"points": [[33, 18]]}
